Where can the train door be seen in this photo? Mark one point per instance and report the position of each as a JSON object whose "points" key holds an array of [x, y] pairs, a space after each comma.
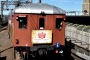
{"points": [[59, 28], [21, 31]]}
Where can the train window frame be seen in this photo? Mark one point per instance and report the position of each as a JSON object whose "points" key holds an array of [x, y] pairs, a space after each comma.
{"points": [[41, 23], [58, 23], [22, 22]]}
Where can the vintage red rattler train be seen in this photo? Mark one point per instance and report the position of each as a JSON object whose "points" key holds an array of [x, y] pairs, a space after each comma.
{"points": [[37, 29]]}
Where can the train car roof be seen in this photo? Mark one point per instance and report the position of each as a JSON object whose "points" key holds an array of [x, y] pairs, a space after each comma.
{"points": [[38, 8]]}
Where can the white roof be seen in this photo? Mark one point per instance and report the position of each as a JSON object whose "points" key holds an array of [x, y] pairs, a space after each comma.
{"points": [[38, 8]]}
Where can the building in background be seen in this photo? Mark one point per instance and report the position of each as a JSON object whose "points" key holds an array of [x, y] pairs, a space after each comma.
{"points": [[86, 7]]}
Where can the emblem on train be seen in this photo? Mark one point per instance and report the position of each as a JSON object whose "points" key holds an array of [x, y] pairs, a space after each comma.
{"points": [[42, 35]]}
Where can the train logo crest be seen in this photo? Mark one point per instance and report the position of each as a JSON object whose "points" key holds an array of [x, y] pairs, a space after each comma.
{"points": [[41, 35]]}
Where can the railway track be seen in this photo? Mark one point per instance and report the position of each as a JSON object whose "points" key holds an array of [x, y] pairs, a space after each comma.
{"points": [[3, 28], [76, 57]]}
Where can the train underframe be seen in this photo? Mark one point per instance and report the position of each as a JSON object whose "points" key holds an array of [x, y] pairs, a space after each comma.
{"points": [[42, 51], [47, 52]]}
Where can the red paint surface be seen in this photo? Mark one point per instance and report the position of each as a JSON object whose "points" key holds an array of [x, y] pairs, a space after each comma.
{"points": [[24, 35]]}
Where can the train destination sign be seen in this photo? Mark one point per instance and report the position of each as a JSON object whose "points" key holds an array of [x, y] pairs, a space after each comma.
{"points": [[41, 36]]}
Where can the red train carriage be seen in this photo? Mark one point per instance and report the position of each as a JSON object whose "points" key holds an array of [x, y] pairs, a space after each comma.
{"points": [[37, 29]]}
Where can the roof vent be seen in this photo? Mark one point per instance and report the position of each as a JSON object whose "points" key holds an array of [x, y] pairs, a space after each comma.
{"points": [[40, 1]]}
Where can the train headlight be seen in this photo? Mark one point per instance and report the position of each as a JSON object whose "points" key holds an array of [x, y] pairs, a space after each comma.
{"points": [[57, 45], [61, 51], [56, 51]]}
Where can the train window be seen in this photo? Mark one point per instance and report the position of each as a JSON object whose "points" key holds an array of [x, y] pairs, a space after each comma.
{"points": [[59, 23], [41, 23], [22, 22]]}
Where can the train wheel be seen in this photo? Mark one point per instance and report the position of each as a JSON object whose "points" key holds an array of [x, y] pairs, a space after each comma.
{"points": [[33, 54], [42, 52]]}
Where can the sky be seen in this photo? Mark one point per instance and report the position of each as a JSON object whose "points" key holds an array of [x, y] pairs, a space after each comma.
{"points": [[67, 5]]}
